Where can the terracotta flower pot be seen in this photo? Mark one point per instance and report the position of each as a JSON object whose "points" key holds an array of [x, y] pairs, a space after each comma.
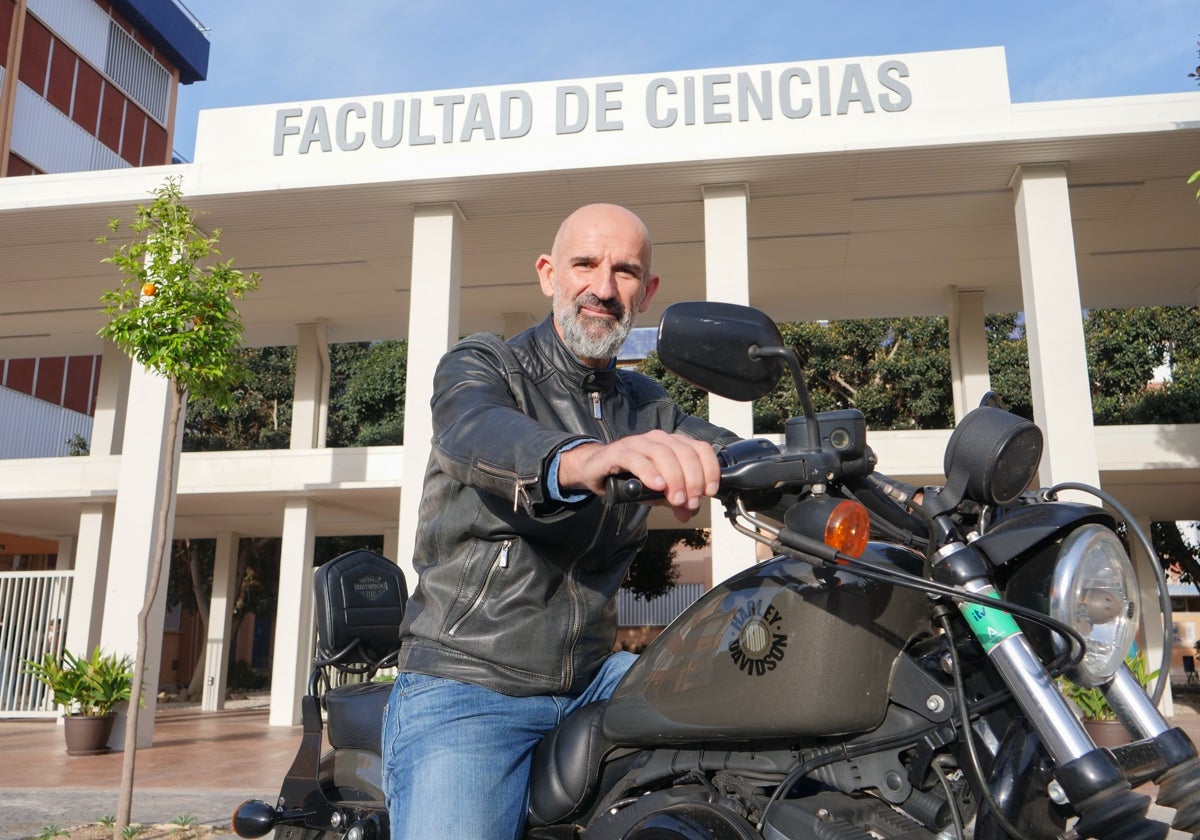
{"points": [[88, 734], [1107, 733]]}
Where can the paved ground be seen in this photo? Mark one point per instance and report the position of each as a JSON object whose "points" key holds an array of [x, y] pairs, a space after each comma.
{"points": [[24, 813], [202, 765]]}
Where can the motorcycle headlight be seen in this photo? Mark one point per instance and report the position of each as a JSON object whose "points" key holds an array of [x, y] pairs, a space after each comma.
{"points": [[1094, 591]]}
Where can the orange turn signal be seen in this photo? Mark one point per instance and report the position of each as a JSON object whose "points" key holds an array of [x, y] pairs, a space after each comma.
{"points": [[841, 524], [848, 528]]}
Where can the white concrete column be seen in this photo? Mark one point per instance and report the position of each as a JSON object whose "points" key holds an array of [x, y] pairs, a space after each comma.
{"points": [[1062, 403], [432, 328], [968, 350], [141, 486], [88, 586], [516, 322], [112, 399], [391, 546], [310, 400], [292, 646], [220, 622], [65, 557], [727, 279]]}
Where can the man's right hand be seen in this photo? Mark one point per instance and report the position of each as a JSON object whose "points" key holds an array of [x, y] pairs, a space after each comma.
{"points": [[682, 468]]}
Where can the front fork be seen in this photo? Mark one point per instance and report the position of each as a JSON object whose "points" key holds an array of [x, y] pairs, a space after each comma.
{"points": [[1095, 781]]}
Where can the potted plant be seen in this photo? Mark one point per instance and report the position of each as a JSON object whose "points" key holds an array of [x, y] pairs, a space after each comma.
{"points": [[1099, 719], [88, 689]]}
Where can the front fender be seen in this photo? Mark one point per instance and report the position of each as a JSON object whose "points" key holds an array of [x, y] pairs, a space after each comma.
{"points": [[1024, 528]]}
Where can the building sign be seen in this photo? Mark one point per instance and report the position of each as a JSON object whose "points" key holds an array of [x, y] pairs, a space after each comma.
{"points": [[831, 105], [794, 93]]}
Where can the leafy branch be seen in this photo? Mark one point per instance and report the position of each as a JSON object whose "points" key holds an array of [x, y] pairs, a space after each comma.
{"points": [[173, 313]]}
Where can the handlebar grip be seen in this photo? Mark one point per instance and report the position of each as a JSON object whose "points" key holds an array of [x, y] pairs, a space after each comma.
{"points": [[625, 489]]}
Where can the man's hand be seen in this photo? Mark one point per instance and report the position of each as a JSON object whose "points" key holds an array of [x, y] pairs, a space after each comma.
{"points": [[684, 469]]}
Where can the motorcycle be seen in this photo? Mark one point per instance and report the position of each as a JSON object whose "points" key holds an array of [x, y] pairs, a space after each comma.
{"points": [[895, 670]]}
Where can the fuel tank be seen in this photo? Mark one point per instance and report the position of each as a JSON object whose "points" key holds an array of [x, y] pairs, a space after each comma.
{"points": [[776, 652]]}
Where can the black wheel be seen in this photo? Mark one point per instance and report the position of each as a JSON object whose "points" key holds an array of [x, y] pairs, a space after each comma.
{"points": [[692, 821]]}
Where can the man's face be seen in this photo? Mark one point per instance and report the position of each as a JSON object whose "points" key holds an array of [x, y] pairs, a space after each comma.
{"points": [[598, 277]]}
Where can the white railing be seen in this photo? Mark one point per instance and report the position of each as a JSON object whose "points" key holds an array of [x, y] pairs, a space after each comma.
{"points": [[33, 623], [137, 73]]}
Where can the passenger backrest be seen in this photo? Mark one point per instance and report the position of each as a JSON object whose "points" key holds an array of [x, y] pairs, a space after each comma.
{"points": [[359, 595]]}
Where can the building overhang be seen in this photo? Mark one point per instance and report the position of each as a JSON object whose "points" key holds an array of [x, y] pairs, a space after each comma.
{"points": [[172, 30], [853, 214]]}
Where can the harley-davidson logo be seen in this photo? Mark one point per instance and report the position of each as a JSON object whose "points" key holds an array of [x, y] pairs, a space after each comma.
{"points": [[758, 646], [370, 587]]}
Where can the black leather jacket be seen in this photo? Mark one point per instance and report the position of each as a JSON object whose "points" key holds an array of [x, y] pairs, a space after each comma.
{"points": [[516, 590]]}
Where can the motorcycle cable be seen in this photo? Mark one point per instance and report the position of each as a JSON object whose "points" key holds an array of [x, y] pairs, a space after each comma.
{"points": [[968, 735], [944, 781], [906, 495], [1076, 643], [1164, 593], [891, 502], [820, 555], [842, 752]]}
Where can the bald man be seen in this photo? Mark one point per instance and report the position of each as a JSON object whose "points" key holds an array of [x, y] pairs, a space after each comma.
{"points": [[519, 555]]}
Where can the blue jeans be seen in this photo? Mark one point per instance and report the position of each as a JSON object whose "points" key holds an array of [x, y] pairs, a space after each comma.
{"points": [[456, 756]]}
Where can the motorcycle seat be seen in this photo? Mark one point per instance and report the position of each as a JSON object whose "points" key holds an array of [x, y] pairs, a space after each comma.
{"points": [[566, 766], [354, 715]]}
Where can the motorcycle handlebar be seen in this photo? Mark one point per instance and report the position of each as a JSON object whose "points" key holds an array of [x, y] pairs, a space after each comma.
{"points": [[625, 489]]}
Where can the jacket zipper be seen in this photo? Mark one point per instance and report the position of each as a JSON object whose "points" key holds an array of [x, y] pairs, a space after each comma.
{"points": [[572, 591], [520, 493], [597, 414], [501, 562]]}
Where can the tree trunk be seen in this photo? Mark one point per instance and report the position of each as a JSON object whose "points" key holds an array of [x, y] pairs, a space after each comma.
{"points": [[203, 604], [157, 562]]}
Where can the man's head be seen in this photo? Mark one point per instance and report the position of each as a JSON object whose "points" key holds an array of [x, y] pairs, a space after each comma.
{"points": [[598, 275]]}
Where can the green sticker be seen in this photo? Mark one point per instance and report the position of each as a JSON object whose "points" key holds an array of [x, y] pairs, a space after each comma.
{"points": [[990, 626]]}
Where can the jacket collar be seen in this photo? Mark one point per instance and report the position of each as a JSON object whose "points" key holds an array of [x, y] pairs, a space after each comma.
{"points": [[567, 363]]}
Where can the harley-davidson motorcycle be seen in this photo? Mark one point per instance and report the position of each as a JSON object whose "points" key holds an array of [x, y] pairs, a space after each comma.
{"points": [[894, 671]]}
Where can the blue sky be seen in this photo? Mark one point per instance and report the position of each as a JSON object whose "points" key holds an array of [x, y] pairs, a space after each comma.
{"points": [[272, 51]]}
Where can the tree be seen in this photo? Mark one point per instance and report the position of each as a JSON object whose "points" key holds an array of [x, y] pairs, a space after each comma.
{"points": [[1174, 551], [367, 393], [653, 573], [896, 371], [1008, 362], [260, 414], [683, 393], [173, 313], [1125, 346], [189, 584]]}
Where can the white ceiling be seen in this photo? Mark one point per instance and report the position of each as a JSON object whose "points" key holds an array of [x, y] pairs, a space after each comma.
{"points": [[832, 235]]}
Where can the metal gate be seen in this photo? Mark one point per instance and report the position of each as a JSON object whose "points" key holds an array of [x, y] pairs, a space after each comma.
{"points": [[33, 622]]}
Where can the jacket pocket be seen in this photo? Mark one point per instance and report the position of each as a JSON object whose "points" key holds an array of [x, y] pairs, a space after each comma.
{"points": [[498, 564]]}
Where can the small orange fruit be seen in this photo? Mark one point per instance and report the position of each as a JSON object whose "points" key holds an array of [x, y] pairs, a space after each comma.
{"points": [[148, 289]]}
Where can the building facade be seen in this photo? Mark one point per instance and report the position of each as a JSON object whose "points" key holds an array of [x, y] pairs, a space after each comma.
{"points": [[84, 85], [91, 84], [841, 188]]}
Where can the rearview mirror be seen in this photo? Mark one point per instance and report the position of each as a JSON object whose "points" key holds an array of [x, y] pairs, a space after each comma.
{"points": [[713, 345]]}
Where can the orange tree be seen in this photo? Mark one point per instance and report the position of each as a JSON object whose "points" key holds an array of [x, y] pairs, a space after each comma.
{"points": [[174, 314]]}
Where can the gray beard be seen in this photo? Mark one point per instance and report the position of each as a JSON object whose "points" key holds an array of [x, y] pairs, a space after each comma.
{"points": [[588, 337]]}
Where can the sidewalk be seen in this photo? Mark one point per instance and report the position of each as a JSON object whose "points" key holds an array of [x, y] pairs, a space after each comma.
{"points": [[201, 764]]}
